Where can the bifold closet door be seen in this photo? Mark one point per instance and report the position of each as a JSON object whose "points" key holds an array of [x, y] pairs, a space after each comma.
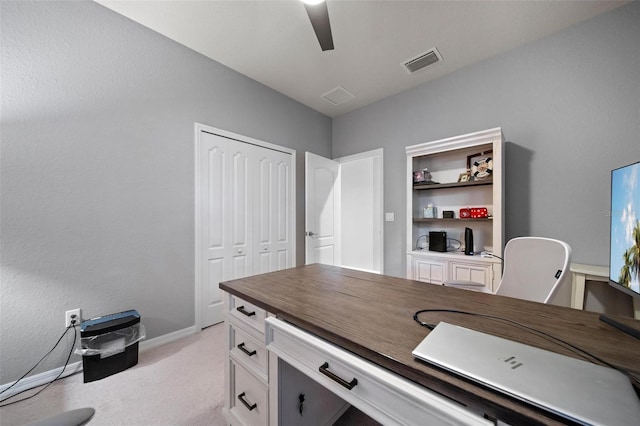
{"points": [[246, 215], [273, 212], [225, 219]]}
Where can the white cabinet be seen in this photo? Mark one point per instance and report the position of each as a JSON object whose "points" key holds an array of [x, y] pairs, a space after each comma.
{"points": [[429, 270], [466, 176], [246, 364], [466, 271], [255, 377], [470, 271]]}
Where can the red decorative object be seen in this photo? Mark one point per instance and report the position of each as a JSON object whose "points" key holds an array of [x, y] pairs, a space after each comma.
{"points": [[479, 212], [465, 213]]}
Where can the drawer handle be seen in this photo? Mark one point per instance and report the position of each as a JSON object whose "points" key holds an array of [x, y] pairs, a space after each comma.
{"points": [[241, 347], [324, 369], [244, 311], [250, 407]]}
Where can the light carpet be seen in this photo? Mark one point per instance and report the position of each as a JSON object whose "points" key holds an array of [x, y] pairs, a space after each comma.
{"points": [[181, 383]]}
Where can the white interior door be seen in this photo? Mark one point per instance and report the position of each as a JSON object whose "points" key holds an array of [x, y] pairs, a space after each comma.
{"points": [[344, 211], [322, 210]]}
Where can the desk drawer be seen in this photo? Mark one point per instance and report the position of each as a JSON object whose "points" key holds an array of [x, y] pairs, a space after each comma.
{"points": [[248, 314], [249, 398], [248, 351], [386, 397]]}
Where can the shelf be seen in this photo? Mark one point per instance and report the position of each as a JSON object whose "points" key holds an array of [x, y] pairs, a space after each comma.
{"points": [[455, 219], [424, 187]]}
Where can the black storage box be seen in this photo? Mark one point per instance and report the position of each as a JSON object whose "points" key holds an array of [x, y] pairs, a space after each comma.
{"points": [[110, 343], [438, 241]]}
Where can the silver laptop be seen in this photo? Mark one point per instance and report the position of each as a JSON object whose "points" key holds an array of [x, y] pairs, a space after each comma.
{"points": [[574, 389]]}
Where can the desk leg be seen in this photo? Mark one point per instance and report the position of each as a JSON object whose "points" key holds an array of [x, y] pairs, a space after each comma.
{"points": [[577, 293]]}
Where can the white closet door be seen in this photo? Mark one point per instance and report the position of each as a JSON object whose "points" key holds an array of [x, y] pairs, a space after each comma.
{"points": [[246, 214], [214, 196], [225, 218], [284, 209], [273, 212], [239, 211]]}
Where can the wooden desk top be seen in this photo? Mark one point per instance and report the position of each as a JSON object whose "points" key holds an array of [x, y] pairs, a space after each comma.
{"points": [[372, 316]]}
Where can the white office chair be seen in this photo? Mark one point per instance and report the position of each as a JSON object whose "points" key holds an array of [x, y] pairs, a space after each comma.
{"points": [[535, 269]]}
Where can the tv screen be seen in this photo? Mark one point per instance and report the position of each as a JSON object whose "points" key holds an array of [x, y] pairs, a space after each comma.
{"points": [[624, 258]]}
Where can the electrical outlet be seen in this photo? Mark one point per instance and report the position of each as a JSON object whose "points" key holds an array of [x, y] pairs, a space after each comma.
{"points": [[73, 316]]}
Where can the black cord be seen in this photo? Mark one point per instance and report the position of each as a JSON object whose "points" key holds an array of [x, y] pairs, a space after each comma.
{"points": [[48, 384], [575, 349], [454, 248], [488, 253], [37, 363]]}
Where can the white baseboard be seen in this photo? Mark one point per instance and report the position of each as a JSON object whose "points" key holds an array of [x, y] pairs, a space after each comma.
{"points": [[47, 376], [40, 379], [145, 345]]}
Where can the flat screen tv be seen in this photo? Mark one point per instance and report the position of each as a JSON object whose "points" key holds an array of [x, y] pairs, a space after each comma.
{"points": [[624, 258]]}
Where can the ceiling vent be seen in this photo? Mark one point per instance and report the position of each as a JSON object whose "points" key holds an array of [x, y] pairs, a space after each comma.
{"points": [[338, 96], [423, 60]]}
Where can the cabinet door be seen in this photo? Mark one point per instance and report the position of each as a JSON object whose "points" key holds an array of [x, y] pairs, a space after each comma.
{"points": [[429, 271], [469, 271]]}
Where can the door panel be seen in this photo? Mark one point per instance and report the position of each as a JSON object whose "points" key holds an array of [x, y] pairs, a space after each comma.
{"points": [[214, 202], [216, 196], [274, 212], [239, 197], [263, 209]]}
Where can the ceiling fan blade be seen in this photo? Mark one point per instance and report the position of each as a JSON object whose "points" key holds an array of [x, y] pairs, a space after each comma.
{"points": [[319, 17]]}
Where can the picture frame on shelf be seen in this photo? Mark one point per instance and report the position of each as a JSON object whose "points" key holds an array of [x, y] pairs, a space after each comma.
{"points": [[480, 165], [464, 177], [418, 177]]}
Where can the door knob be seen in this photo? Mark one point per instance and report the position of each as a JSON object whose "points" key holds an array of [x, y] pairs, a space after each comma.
{"points": [[310, 233]]}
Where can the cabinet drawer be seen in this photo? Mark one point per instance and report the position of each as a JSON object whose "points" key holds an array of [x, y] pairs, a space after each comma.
{"points": [[249, 397], [386, 397], [248, 351], [247, 314]]}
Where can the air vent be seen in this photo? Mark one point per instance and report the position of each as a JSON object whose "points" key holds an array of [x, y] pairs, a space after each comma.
{"points": [[423, 60], [338, 96]]}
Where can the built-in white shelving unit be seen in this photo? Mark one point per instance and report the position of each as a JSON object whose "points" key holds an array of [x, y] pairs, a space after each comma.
{"points": [[446, 160]]}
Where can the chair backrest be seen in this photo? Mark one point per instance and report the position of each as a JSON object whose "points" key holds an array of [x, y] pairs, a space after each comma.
{"points": [[534, 268]]}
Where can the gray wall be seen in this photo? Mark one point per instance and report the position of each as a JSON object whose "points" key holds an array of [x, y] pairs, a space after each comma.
{"points": [[569, 106], [97, 169]]}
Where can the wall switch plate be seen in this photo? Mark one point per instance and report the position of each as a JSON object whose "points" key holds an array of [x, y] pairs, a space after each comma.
{"points": [[389, 217], [73, 315]]}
